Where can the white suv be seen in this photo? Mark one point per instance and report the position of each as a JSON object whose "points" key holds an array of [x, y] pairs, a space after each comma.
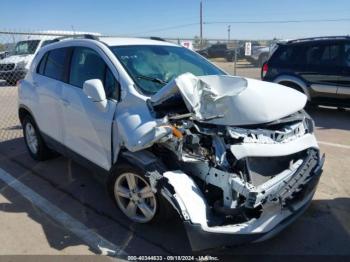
{"points": [[235, 157]]}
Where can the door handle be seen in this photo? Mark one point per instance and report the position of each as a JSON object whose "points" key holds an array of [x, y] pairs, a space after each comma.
{"points": [[65, 102]]}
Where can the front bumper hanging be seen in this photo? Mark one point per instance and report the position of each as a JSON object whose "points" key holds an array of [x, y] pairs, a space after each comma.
{"points": [[275, 219]]}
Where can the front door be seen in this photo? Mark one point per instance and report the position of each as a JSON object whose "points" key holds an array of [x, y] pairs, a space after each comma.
{"points": [[87, 125]]}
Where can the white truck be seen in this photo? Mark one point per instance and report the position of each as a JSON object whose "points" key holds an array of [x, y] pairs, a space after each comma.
{"points": [[15, 65]]}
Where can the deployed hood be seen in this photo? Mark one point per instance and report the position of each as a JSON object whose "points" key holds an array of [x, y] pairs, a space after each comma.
{"points": [[228, 100]]}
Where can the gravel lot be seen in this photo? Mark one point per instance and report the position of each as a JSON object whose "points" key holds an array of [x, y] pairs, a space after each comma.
{"points": [[323, 230]]}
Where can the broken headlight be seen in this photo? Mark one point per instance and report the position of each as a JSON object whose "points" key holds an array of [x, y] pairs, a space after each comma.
{"points": [[310, 124]]}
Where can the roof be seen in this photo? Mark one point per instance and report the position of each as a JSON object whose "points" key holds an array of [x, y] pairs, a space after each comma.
{"points": [[317, 39], [50, 34], [121, 41]]}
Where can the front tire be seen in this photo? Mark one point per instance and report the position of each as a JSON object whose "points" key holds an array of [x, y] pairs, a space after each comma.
{"points": [[133, 195], [33, 140]]}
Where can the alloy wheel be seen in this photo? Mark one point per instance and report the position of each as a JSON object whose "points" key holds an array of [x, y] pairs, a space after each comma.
{"points": [[135, 197], [31, 138]]}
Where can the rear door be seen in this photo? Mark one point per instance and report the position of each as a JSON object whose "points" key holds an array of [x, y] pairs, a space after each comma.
{"points": [[48, 82], [322, 67], [344, 78], [88, 127]]}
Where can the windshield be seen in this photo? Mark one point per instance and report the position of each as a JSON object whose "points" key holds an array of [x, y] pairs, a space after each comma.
{"points": [[152, 66], [26, 47]]}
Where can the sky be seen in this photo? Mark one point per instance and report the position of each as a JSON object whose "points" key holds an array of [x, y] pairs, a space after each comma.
{"points": [[180, 18]]}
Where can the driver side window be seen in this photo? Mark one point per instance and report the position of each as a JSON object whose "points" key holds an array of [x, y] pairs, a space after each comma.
{"points": [[87, 64]]}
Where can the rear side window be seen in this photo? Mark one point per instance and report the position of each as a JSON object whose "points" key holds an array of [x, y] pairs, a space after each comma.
{"points": [[324, 55], [55, 64], [87, 64], [287, 55]]}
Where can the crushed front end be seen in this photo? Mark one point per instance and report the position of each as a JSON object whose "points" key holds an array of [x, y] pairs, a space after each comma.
{"points": [[235, 185], [236, 171]]}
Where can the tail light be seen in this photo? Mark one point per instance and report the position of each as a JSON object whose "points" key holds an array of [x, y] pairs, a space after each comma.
{"points": [[264, 70]]}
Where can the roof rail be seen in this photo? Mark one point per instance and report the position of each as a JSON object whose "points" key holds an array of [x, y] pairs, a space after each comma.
{"points": [[157, 38], [318, 38], [80, 36]]}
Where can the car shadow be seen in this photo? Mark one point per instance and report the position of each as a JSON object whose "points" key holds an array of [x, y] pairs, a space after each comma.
{"points": [[330, 118], [73, 189], [324, 229]]}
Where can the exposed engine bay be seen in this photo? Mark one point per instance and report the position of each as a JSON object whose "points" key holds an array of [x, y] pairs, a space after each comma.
{"points": [[237, 188], [235, 161]]}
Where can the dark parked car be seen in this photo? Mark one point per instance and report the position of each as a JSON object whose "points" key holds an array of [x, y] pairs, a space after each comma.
{"points": [[219, 50], [318, 67]]}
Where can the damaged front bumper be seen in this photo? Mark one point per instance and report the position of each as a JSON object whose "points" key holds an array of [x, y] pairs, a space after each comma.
{"points": [[199, 220], [240, 157]]}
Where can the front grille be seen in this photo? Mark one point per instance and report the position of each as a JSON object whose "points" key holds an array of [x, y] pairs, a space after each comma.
{"points": [[7, 67]]}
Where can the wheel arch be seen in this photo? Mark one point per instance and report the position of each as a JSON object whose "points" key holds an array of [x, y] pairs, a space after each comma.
{"points": [[293, 82], [144, 160], [153, 169], [24, 111]]}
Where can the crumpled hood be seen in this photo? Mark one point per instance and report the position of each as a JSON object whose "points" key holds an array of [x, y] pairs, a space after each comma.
{"points": [[229, 100]]}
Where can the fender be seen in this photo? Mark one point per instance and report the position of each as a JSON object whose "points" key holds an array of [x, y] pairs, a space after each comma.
{"points": [[22, 106], [295, 80]]}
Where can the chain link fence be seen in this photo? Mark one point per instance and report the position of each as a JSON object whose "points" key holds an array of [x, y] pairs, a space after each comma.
{"points": [[17, 50]]}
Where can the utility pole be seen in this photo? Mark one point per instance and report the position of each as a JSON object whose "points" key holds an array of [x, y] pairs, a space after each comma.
{"points": [[228, 33], [200, 25]]}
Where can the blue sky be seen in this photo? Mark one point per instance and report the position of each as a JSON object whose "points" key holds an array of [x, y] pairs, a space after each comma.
{"points": [[143, 18]]}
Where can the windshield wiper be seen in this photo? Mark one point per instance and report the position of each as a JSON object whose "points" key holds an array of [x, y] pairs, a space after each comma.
{"points": [[152, 79]]}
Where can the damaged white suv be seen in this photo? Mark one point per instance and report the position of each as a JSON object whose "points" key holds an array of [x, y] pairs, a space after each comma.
{"points": [[235, 157]]}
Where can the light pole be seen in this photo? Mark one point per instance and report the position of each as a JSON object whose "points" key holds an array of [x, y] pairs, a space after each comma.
{"points": [[200, 25], [228, 32]]}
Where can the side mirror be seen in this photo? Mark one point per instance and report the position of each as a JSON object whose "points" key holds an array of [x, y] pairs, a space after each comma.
{"points": [[94, 90]]}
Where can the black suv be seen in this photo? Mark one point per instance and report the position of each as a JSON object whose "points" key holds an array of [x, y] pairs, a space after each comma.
{"points": [[318, 67], [219, 50]]}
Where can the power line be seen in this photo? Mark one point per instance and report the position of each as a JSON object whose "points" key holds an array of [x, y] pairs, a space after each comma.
{"points": [[166, 28], [278, 21], [242, 22]]}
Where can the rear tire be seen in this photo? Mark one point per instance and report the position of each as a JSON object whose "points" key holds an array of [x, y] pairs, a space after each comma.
{"points": [[33, 140], [131, 192]]}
